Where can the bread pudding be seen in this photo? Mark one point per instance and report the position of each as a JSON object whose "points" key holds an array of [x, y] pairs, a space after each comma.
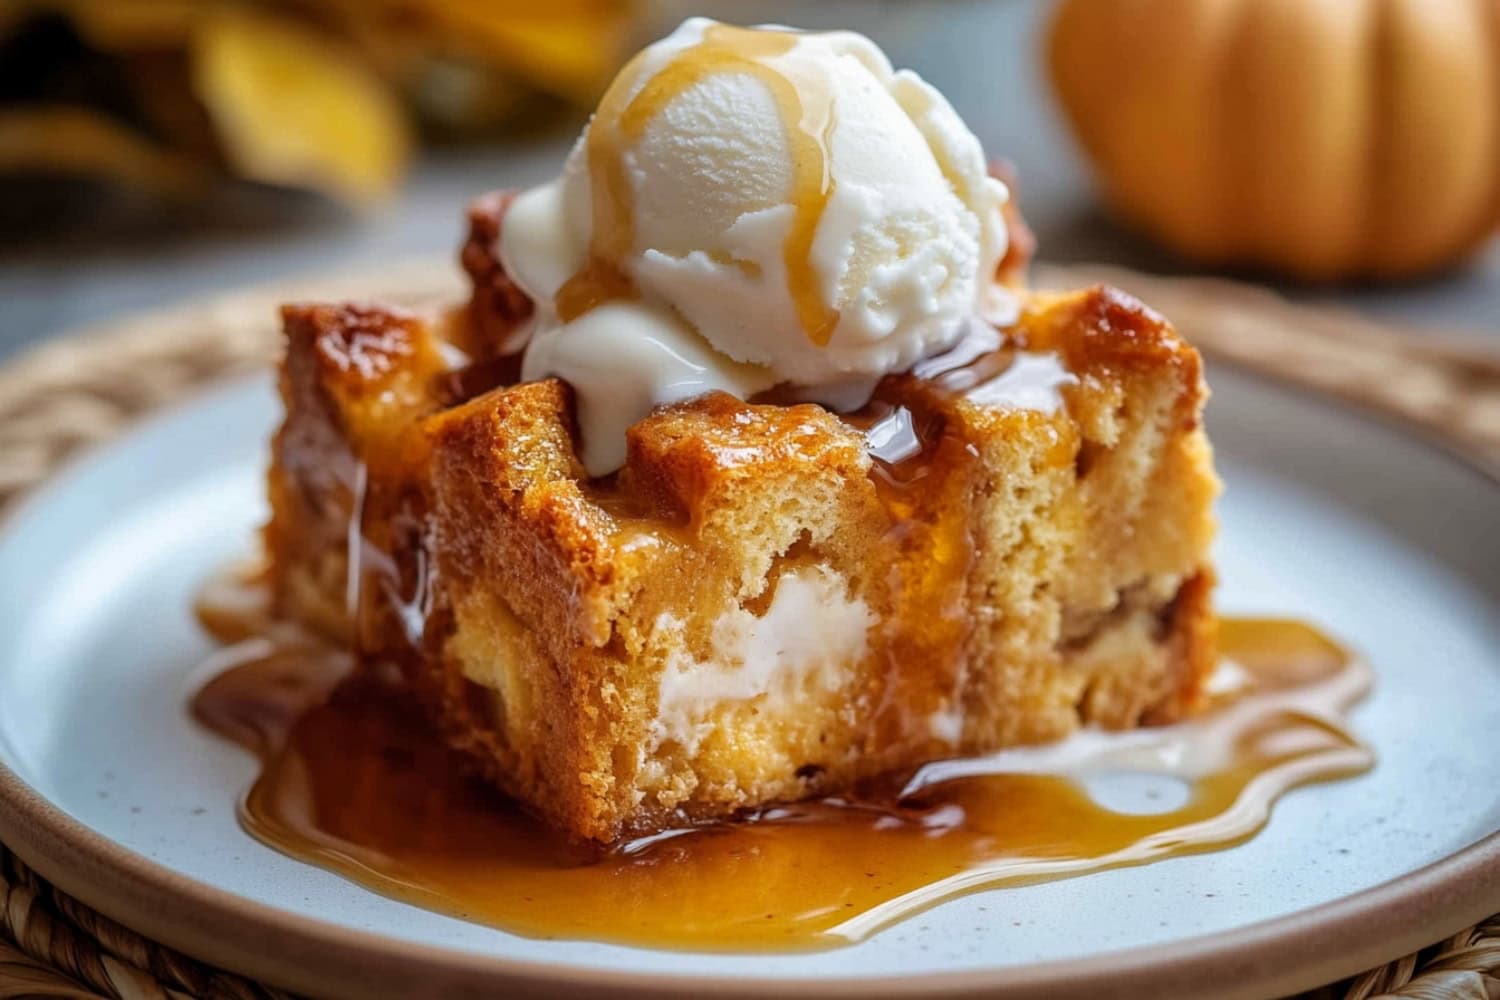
{"points": [[637, 607]]}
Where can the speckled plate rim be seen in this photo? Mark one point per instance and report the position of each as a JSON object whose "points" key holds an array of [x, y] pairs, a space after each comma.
{"points": [[1274, 957]]}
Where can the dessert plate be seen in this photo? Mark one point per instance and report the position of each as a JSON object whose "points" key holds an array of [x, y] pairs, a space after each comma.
{"points": [[110, 791]]}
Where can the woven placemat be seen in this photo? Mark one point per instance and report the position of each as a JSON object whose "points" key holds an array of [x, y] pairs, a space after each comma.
{"points": [[84, 389]]}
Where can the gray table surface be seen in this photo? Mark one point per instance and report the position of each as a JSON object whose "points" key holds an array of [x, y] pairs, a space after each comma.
{"points": [[104, 257]]}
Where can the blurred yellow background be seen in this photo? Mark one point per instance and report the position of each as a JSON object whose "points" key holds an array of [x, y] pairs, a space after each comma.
{"points": [[152, 150], [322, 94]]}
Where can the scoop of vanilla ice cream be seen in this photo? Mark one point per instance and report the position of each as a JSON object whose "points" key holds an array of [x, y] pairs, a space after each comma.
{"points": [[897, 247]]}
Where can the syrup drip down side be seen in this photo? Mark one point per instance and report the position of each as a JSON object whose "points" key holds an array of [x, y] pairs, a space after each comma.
{"points": [[353, 779]]}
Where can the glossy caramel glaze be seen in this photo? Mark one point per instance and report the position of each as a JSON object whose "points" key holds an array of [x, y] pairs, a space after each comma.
{"points": [[922, 471], [983, 366], [354, 779]]}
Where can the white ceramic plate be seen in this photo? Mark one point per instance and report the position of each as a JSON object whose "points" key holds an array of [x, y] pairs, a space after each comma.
{"points": [[108, 789]]}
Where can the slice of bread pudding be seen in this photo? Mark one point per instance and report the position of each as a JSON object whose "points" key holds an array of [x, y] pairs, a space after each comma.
{"points": [[769, 601]]}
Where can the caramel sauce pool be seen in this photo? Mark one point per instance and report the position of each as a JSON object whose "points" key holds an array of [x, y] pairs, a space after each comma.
{"points": [[354, 780]]}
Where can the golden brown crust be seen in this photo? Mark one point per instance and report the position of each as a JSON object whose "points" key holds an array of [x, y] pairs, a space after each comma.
{"points": [[496, 306], [1023, 573]]}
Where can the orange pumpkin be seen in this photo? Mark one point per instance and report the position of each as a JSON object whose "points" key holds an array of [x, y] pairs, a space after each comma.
{"points": [[1328, 139]]}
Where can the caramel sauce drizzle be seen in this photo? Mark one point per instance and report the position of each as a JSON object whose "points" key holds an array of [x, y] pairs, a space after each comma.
{"points": [[921, 473], [354, 779], [981, 365], [806, 110]]}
